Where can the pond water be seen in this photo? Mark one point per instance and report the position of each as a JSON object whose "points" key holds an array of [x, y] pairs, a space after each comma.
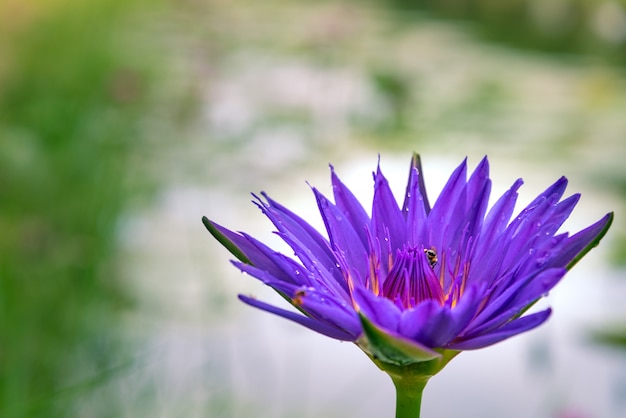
{"points": [[273, 117]]}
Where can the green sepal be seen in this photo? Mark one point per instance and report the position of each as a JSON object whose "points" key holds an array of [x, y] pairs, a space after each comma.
{"points": [[222, 239], [392, 349], [592, 244]]}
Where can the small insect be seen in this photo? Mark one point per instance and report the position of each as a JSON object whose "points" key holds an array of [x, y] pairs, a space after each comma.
{"points": [[431, 255]]}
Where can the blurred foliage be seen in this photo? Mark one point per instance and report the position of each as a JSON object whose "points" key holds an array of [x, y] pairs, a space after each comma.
{"points": [[613, 336], [593, 28], [72, 92]]}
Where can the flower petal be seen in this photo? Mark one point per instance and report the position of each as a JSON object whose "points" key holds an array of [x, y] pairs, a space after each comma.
{"points": [[434, 325], [301, 237], [442, 214], [328, 308], [381, 311], [233, 242], [283, 287], [287, 221], [247, 249], [315, 325], [391, 347], [514, 299], [416, 173], [414, 209], [581, 243], [350, 206], [343, 238], [388, 223], [514, 327], [332, 280], [495, 223]]}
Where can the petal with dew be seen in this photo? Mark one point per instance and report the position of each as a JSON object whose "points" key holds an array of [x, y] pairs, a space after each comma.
{"points": [[416, 175], [515, 327], [442, 212], [310, 323], [344, 239], [350, 206], [387, 219], [581, 243]]}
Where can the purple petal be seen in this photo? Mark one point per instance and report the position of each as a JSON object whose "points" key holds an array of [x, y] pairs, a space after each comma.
{"points": [[286, 288], [414, 320], [539, 256], [315, 325], [241, 244], [387, 219], [514, 327], [514, 299], [521, 234], [552, 194], [580, 243], [257, 253], [468, 215], [381, 311], [329, 309], [350, 206], [496, 221], [302, 237], [562, 211], [287, 221], [557, 188], [332, 280], [416, 174], [344, 239], [439, 218], [435, 325], [414, 208], [478, 191]]}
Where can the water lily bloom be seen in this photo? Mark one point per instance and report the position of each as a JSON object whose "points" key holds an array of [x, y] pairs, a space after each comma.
{"points": [[413, 285]]}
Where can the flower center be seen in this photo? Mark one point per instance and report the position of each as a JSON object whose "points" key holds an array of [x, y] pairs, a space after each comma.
{"points": [[411, 278]]}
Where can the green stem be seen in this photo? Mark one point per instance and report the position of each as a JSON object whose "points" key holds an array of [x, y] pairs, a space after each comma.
{"points": [[410, 380], [409, 395]]}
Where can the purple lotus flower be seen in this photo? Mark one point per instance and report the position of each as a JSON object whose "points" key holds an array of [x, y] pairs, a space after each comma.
{"points": [[414, 283]]}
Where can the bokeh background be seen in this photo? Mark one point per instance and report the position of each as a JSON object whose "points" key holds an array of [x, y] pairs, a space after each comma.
{"points": [[122, 122]]}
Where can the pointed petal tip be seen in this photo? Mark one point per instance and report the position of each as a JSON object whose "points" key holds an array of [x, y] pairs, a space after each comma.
{"points": [[416, 160], [483, 164], [210, 225], [227, 238], [562, 182]]}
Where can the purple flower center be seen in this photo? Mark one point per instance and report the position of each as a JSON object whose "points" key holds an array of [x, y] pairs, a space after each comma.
{"points": [[411, 278]]}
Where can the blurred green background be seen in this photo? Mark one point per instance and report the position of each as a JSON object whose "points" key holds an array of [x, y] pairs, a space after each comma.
{"points": [[123, 122]]}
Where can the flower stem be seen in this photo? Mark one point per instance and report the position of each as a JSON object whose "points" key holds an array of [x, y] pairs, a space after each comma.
{"points": [[409, 395]]}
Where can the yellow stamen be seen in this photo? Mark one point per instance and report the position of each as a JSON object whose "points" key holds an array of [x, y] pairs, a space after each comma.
{"points": [[297, 298], [374, 279]]}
